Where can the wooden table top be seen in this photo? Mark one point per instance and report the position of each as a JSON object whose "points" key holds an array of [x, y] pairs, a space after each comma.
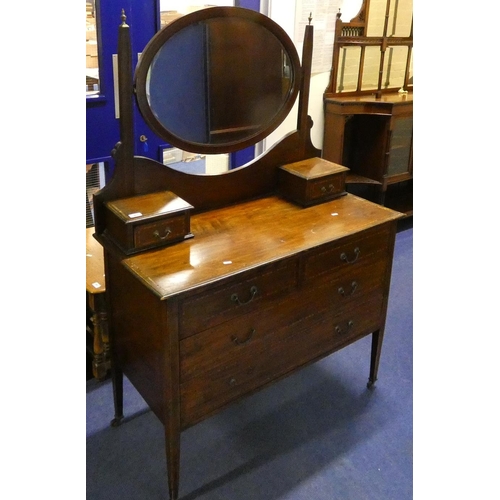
{"points": [[250, 234], [95, 264]]}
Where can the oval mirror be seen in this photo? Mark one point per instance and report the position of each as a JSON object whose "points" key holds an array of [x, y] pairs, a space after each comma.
{"points": [[217, 80]]}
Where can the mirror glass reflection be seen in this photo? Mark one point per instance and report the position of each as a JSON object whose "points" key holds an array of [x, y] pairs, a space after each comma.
{"points": [[371, 68], [210, 84], [184, 161], [349, 69], [395, 66], [400, 18], [397, 13], [196, 163], [388, 32], [376, 17]]}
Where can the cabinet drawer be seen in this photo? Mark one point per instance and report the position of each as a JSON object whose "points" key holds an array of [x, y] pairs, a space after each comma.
{"points": [[246, 293], [219, 344], [325, 189], [357, 252], [160, 232], [147, 221], [353, 285], [215, 369], [350, 323], [312, 181]]}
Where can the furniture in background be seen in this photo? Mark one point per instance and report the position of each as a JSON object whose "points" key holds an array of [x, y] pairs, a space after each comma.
{"points": [[97, 324], [219, 285], [369, 102]]}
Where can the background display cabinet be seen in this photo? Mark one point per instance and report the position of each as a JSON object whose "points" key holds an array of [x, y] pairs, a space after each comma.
{"points": [[369, 102], [219, 285]]}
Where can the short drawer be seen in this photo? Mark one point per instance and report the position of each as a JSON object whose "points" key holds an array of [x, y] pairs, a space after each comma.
{"points": [[147, 221], [251, 290], [160, 232], [331, 328], [325, 189], [353, 322], [348, 288], [312, 181], [356, 253]]}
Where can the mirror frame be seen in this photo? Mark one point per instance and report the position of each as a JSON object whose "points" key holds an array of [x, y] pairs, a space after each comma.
{"points": [[162, 37], [354, 34]]}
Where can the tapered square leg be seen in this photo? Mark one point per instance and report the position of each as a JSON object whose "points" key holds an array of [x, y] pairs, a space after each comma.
{"points": [[117, 379], [377, 338]]}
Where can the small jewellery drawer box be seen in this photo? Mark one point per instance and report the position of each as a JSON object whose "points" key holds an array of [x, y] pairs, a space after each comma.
{"points": [[148, 221], [312, 181]]}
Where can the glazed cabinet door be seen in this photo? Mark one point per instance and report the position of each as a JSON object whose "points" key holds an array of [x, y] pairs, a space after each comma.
{"points": [[400, 149]]}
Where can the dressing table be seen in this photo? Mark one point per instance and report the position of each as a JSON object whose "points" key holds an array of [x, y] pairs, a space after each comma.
{"points": [[219, 285]]}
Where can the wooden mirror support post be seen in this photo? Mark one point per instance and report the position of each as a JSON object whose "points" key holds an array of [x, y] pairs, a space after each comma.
{"points": [[219, 285]]}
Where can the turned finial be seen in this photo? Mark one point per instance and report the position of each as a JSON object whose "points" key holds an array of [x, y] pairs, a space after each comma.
{"points": [[310, 17], [123, 18]]}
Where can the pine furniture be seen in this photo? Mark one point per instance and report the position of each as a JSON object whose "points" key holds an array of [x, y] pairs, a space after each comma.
{"points": [[97, 330]]}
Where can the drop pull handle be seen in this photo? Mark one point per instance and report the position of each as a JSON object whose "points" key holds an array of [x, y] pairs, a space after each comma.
{"points": [[343, 256], [253, 293], [354, 286], [343, 331], [237, 341], [168, 231]]}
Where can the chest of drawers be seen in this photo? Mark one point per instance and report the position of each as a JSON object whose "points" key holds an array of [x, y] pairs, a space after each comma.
{"points": [[246, 302]]}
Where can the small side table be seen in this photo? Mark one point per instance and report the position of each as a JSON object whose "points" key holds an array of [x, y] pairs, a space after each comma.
{"points": [[96, 300]]}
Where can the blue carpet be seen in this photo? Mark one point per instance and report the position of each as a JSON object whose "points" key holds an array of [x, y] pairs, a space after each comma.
{"points": [[320, 434]]}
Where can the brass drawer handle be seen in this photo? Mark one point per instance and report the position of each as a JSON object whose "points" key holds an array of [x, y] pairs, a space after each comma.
{"points": [[341, 331], [237, 341], [156, 234], [343, 256], [253, 293], [328, 189], [354, 286]]}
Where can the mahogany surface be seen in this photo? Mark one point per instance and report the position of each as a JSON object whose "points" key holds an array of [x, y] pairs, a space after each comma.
{"points": [[233, 239]]}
